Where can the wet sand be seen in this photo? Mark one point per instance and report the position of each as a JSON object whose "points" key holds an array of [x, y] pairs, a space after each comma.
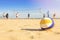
{"points": [[10, 29]]}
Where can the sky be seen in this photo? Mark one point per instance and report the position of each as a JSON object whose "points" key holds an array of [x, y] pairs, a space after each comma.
{"points": [[35, 7]]}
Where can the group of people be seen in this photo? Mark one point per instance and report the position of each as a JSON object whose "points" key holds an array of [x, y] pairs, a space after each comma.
{"points": [[54, 15], [6, 15]]}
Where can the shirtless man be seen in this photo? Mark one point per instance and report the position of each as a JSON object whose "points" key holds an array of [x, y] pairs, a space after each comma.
{"points": [[17, 15], [28, 15], [54, 15]]}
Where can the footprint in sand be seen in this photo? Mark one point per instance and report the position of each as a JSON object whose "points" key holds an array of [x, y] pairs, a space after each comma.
{"points": [[10, 30]]}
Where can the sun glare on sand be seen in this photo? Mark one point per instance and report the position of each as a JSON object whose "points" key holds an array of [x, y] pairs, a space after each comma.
{"points": [[10, 29]]}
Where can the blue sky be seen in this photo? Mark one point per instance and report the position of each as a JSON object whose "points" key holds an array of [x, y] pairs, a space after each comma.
{"points": [[17, 4], [35, 7]]}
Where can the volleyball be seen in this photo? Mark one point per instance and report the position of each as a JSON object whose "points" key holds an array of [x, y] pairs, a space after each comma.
{"points": [[46, 23]]}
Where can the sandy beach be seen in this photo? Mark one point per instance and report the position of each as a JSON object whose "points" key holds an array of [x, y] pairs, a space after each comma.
{"points": [[10, 29]]}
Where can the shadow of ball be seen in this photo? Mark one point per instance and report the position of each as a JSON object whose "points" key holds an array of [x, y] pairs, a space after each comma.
{"points": [[32, 37]]}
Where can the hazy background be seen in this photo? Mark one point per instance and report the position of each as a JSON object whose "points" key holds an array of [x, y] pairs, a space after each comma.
{"points": [[35, 7]]}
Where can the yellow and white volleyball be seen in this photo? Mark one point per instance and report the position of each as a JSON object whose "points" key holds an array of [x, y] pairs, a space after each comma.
{"points": [[46, 23]]}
